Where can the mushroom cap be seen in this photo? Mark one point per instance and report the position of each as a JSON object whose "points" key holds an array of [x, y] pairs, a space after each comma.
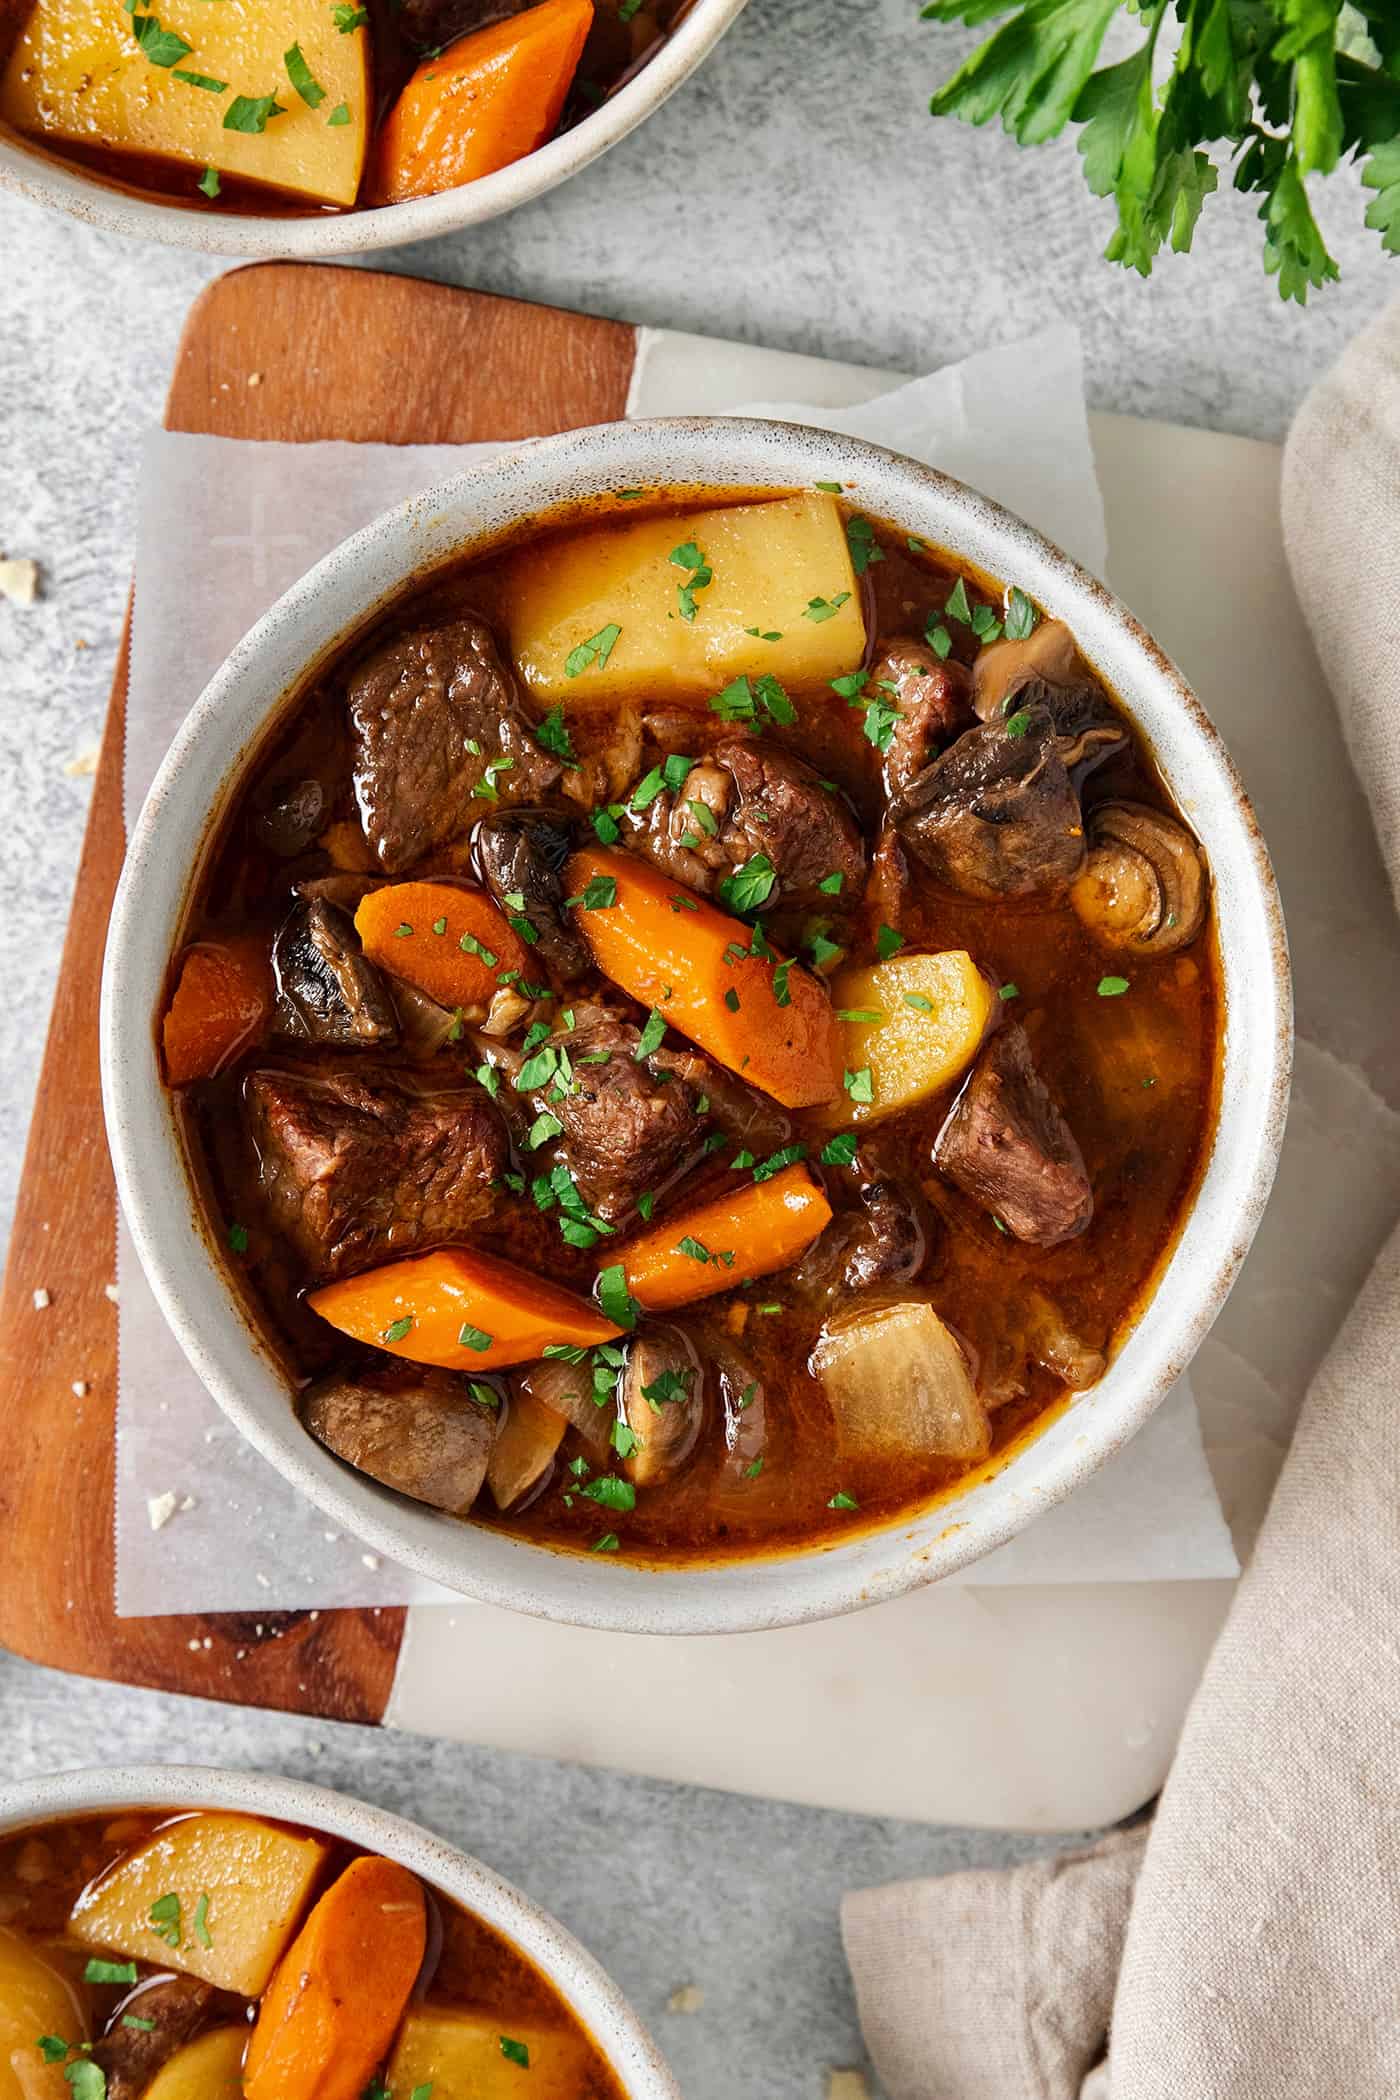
{"points": [[1144, 885], [1049, 652], [661, 1399]]}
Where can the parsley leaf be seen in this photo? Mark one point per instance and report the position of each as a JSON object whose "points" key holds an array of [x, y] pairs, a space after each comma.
{"points": [[302, 78], [596, 650], [252, 112], [552, 736], [163, 47]]}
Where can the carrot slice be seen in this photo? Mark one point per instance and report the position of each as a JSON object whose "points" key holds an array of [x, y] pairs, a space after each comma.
{"points": [[716, 1245], [334, 2005], [491, 98], [460, 1309], [452, 943], [222, 999], [672, 950]]}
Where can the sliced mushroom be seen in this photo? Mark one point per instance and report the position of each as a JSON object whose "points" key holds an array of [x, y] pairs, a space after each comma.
{"points": [[661, 1400], [327, 992], [521, 855], [1048, 652], [571, 1390], [1144, 885], [745, 1407], [426, 1026], [287, 825], [420, 1432]]}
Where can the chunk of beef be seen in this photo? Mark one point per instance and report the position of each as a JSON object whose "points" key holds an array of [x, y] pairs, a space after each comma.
{"points": [[429, 25], [327, 990], [418, 1431], [521, 854], [358, 1167], [288, 823], [429, 713], [874, 1244], [933, 701], [177, 2007], [1007, 1146], [749, 1118], [997, 815], [757, 799]]}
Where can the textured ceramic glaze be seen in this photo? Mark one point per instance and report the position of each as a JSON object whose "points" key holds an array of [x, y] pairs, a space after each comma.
{"points": [[200, 774], [624, 2042], [45, 178]]}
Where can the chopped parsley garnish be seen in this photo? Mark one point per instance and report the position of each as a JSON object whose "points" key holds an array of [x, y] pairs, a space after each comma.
{"points": [[302, 78], [823, 949], [609, 1542], [920, 1004], [830, 885], [646, 1203], [552, 736], [397, 1329], [752, 1472], [52, 2049], [622, 1439], [867, 1014], [888, 943], [348, 18], [761, 634], [1009, 991], [704, 817], [164, 1919], [252, 112], [772, 697], [864, 547], [238, 1238], [614, 1297], [487, 784], [956, 604], [484, 1395], [516, 2052], [544, 1127], [701, 574], [109, 1972], [141, 2026], [852, 685], [469, 1337], [652, 1036], [731, 1000], [1018, 724], [340, 114], [667, 1388], [161, 46], [596, 650], [782, 992], [201, 80], [776, 1161], [86, 2079], [490, 1078], [841, 1500], [839, 1151], [611, 1493], [201, 1922], [606, 825], [741, 1160], [402, 930], [828, 488], [860, 1085], [1112, 987], [736, 703], [564, 1352], [598, 894], [819, 609], [749, 887], [882, 715], [209, 182], [938, 638], [470, 945], [629, 495]]}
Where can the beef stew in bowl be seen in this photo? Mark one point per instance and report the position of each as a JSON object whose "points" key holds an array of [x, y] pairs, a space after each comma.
{"points": [[266, 1940], [716, 1525], [698, 1081]]}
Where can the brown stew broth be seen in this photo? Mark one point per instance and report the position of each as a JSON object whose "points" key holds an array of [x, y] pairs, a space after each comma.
{"points": [[469, 1965], [1135, 1077]]}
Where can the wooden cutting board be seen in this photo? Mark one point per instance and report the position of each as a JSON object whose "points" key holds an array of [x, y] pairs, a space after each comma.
{"points": [[324, 342]]}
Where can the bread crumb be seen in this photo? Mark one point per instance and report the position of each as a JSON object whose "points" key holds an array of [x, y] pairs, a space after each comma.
{"points": [[42, 1300], [160, 1509], [688, 1999], [19, 580], [83, 763], [847, 2085]]}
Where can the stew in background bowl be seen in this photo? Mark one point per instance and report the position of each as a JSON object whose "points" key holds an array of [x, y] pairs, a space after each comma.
{"points": [[926, 1315]]}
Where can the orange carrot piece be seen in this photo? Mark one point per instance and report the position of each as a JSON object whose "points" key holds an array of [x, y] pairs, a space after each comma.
{"points": [[672, 950], [330, 2014], [489, 99], [222, 999], [417, 931], [763, 1227], [462, 1310]]}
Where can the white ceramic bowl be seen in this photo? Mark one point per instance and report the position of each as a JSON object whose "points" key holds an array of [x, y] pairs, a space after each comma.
{"points": [[40, 174], [200, 774], [625, 2044]]}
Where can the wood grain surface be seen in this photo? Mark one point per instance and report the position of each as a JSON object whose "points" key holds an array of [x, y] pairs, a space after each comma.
{"points": [[337, 353]]}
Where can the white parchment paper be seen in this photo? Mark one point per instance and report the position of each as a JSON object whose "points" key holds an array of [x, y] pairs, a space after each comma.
{"points": [[225, 527]]}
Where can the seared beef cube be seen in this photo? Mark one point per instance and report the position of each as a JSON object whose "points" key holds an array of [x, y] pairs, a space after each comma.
{"points": [[934, 706], [357, 1167], [418, 1431], [997, 815], [626, 1128], [327, 989], [429, 714], [1007, 1146], [521, 854], [754, 798], [131, 2056]]}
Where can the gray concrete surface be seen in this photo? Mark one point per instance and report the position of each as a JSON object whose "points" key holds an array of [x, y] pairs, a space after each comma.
{"points": [[795, 193]]}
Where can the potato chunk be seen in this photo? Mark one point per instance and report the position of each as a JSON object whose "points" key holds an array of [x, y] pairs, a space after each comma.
{"points": [[933, 1013], [255, 1876], [35, 1999], [768, 562], [207, 2069], [899, 1384], [462, 2057], [79, 74]]}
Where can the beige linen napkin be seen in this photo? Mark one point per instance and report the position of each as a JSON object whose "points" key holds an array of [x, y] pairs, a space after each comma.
{"points": [[1256, 1959]]}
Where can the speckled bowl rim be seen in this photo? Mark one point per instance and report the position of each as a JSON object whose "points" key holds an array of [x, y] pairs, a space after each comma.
{"points": [[585, 1987], [198, 775], [40, 175]]}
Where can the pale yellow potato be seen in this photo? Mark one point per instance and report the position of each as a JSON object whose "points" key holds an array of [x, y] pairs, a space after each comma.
{"points": [[257, 1879], [35, 1998], [208, 2069], [899, 1384], [77, 73], [912, 1051], [459, 2055], [769, 561]]}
